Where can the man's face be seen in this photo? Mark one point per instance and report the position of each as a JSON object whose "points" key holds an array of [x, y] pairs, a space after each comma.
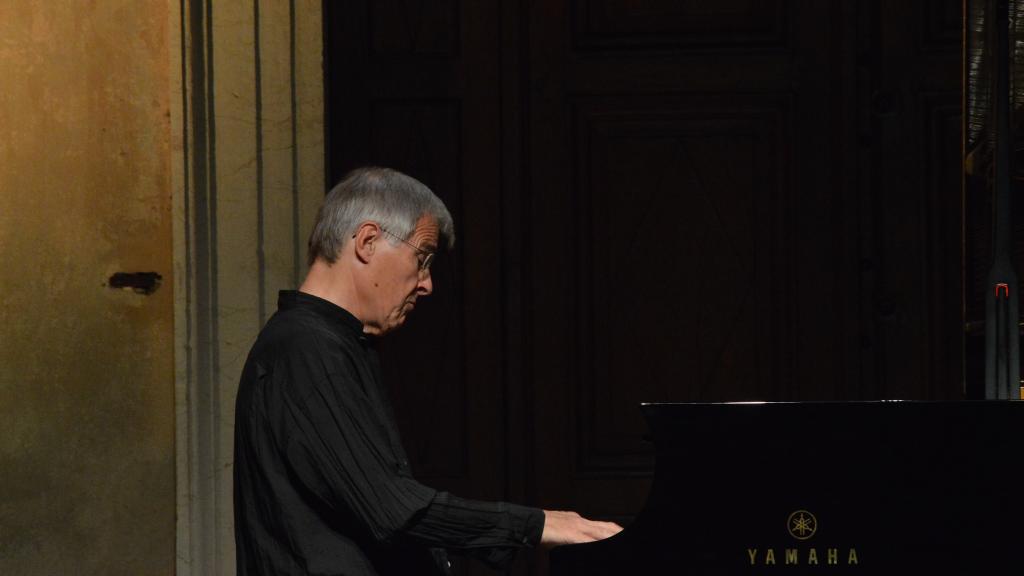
{"points": [[398, 280]]}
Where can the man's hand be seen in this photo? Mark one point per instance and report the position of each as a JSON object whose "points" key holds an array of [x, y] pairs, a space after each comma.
{"points": [[571, 528]]}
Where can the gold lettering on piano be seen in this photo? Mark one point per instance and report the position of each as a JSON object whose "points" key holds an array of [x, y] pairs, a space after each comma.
{"points": [[792, 556]]}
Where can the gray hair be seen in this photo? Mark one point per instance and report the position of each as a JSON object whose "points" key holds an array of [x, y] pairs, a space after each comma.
{"points": [[381, 195]]}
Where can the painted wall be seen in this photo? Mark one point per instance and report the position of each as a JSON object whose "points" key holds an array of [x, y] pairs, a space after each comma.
{"points": [[248, 175], [87, 478]]}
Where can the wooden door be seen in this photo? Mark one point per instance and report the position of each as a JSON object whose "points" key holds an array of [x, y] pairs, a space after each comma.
{"points": [[682, 217], [731, 201]]}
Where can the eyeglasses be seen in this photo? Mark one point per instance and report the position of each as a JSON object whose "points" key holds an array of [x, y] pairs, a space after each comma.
{"points": [[424, 257]]}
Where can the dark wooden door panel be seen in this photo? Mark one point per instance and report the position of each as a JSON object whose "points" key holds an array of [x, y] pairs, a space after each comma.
{"points": [[664, 191]]}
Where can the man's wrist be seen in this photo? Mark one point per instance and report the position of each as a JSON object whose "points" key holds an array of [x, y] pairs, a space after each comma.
{"points": [[529, 524]]}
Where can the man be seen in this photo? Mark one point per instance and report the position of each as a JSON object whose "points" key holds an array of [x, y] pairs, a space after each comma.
{"points": [[322, 483]]}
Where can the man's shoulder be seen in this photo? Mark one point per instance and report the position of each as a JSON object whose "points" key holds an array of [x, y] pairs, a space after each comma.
{"points": [[295, 353], [296, 328], [298, 340]]}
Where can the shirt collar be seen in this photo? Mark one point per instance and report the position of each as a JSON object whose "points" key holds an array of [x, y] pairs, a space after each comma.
{"points": [[331, 313]]}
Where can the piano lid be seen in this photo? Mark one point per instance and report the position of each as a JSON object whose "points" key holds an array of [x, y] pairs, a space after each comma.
{"points": [[889, 487]]}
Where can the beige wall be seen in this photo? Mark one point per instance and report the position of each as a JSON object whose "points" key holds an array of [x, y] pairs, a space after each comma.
{"points": [[248, 173], [118, 152], [86, 371]]}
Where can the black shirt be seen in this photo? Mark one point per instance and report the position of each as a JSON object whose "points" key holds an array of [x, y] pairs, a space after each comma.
{"points": [[322, 483]]}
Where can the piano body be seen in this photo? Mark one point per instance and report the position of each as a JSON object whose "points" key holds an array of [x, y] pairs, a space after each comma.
{"points": [[869, 488]]}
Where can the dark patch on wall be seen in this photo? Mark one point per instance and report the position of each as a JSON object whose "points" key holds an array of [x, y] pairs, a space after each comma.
{"points": [[139, 282]]}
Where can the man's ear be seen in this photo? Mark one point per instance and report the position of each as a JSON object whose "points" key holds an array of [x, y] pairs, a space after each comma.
{"points": [[364, 241]]}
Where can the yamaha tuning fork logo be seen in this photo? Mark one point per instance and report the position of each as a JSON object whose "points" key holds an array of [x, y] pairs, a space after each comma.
{"points": [[802, 525]]}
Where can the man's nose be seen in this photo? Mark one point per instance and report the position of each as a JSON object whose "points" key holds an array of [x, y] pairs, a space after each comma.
{"points": [[426, 284]]}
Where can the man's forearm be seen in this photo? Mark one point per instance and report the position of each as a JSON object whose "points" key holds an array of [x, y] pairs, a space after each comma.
{"points": [[489, 531]]}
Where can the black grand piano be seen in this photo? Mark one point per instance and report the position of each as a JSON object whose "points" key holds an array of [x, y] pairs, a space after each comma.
{"points": [[870, 488]]}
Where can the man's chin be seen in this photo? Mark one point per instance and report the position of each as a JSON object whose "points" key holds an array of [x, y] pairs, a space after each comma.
{"points": [[393, 324]]}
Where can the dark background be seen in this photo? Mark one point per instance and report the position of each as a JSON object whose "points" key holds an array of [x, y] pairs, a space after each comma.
{"points": [[660, 201]]}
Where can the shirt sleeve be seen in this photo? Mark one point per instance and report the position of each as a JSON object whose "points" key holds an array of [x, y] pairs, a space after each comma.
{"points": [[340, 453], [489, 531]]}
